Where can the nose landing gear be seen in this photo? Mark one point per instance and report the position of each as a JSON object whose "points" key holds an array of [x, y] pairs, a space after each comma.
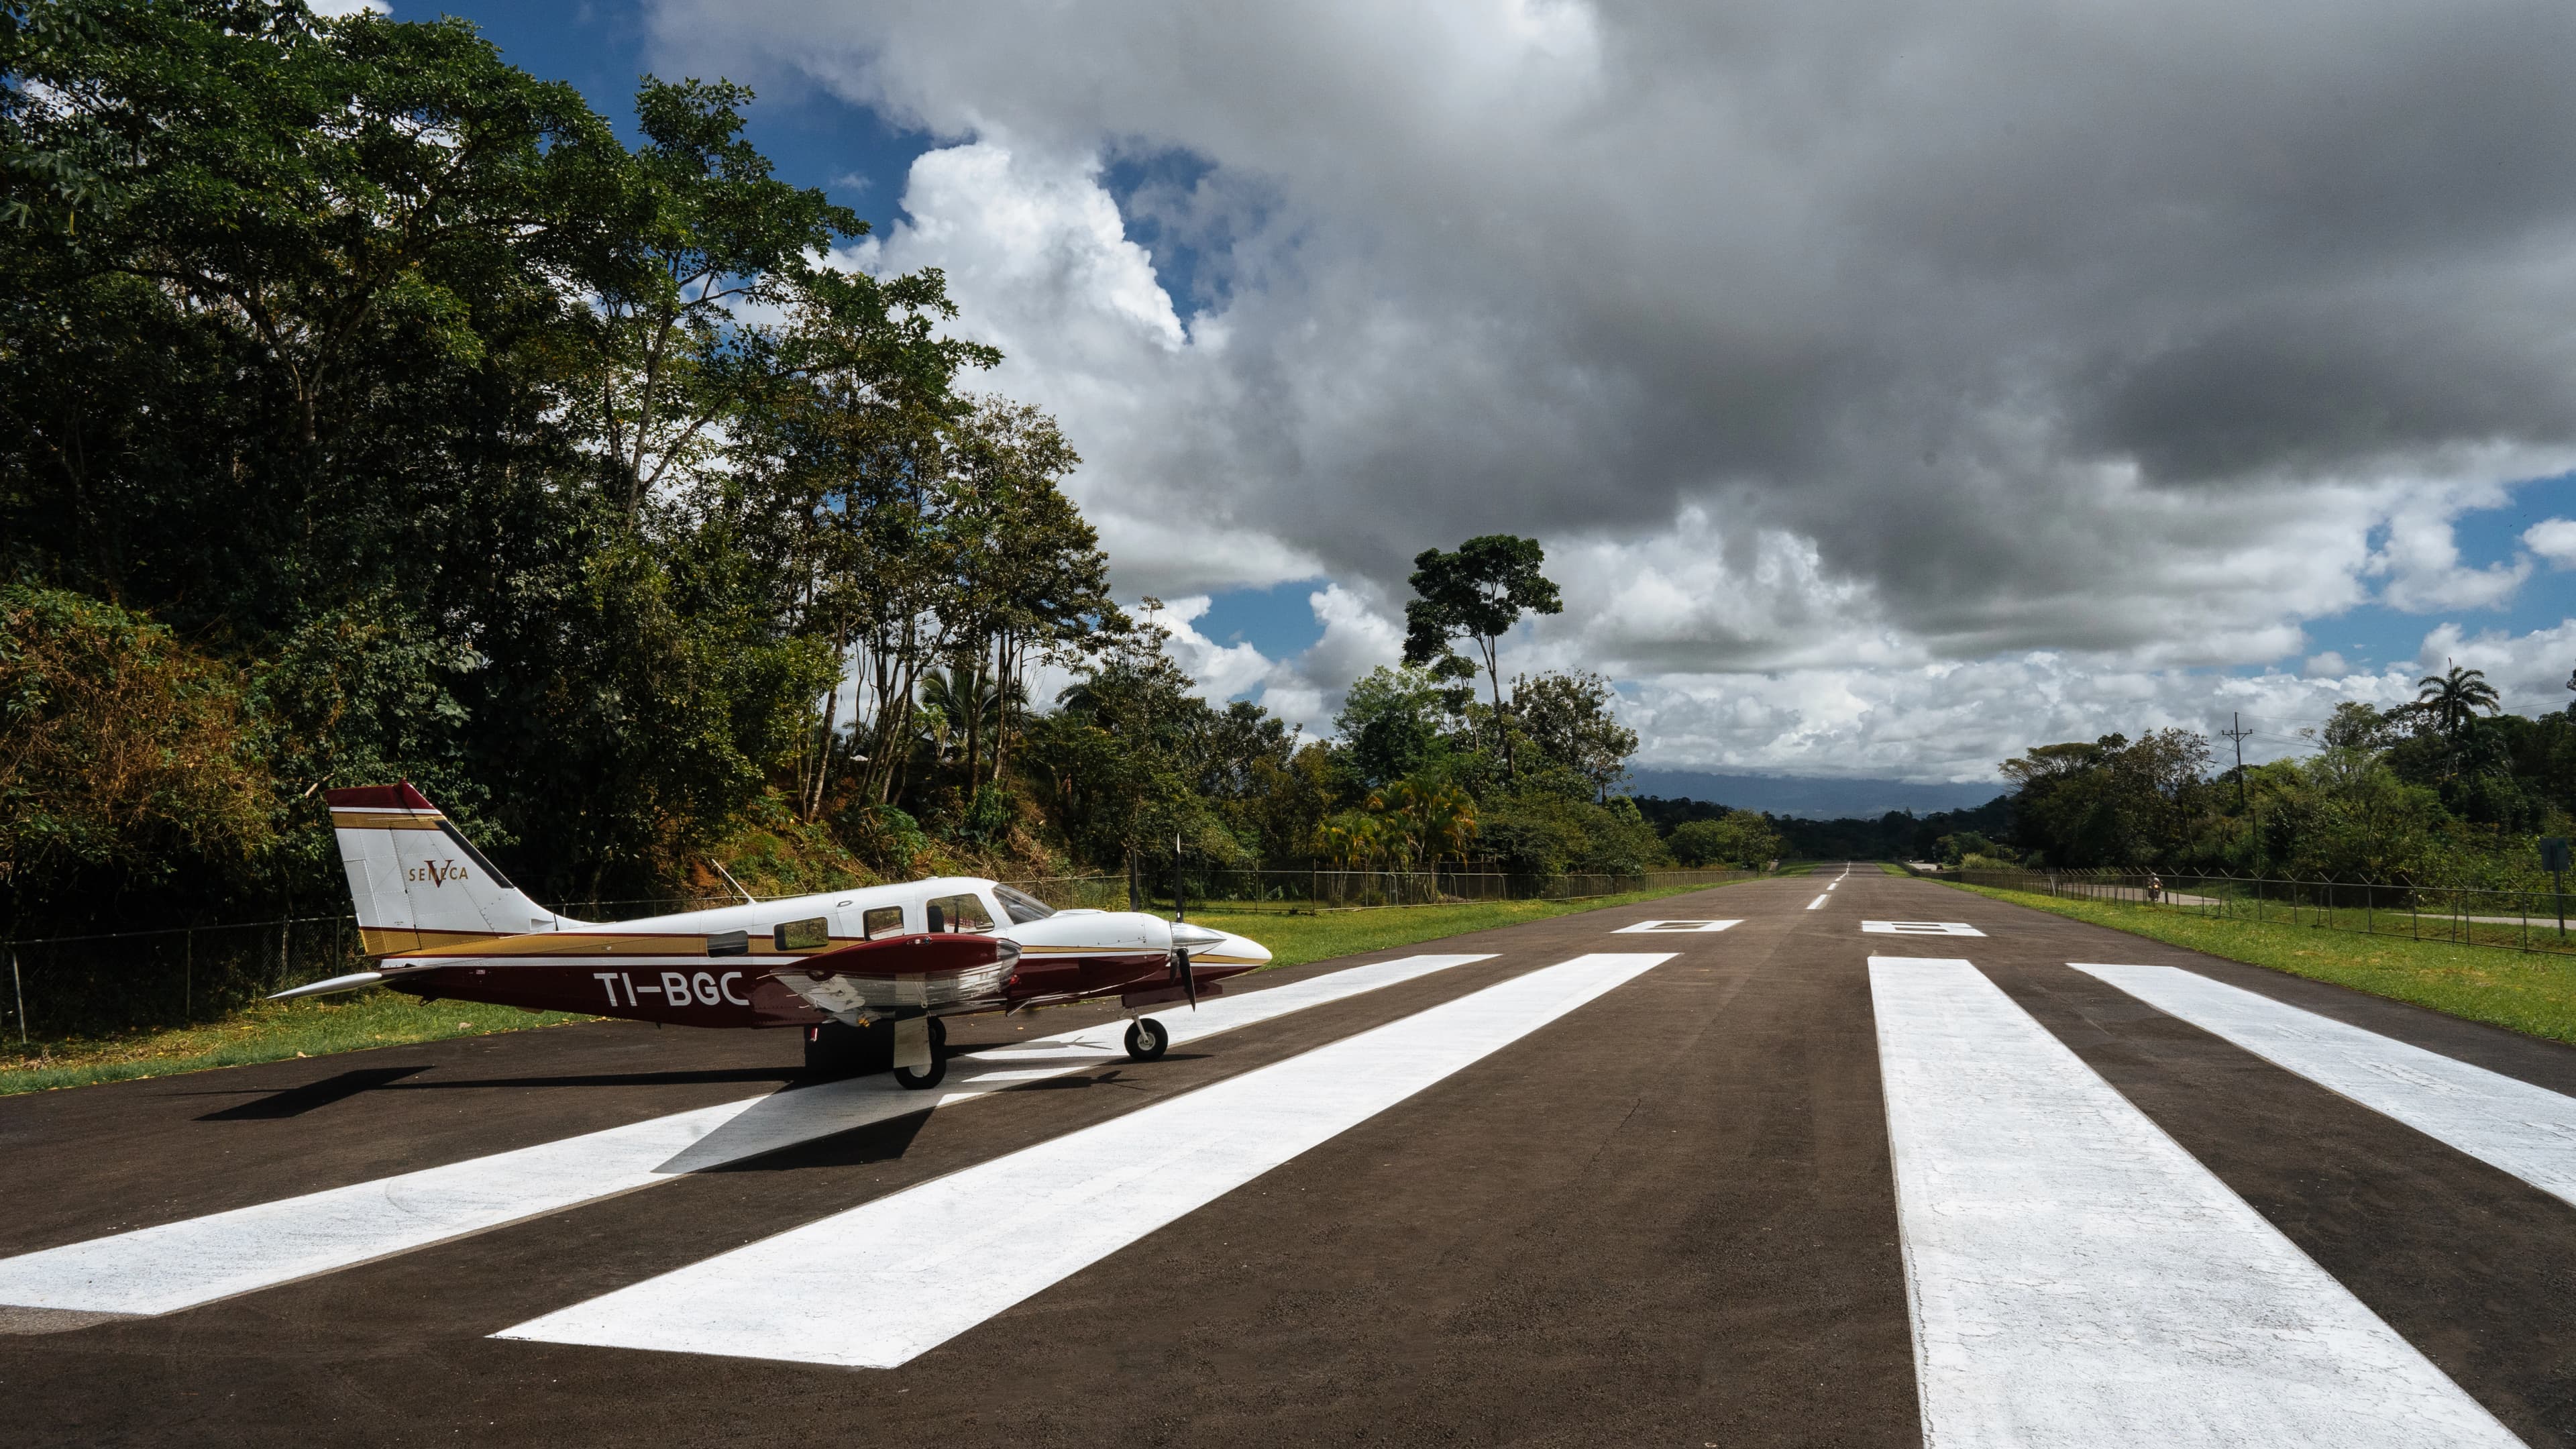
{"points": [[1146, 1039]]}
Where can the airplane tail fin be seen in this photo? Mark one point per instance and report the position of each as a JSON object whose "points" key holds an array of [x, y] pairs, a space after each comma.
{"points": [[417, 881]]}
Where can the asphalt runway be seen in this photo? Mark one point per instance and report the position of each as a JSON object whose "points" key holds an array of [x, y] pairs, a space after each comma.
{"points": [[1884, 1163]]}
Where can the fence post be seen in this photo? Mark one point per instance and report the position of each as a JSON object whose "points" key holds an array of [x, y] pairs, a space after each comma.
{"points": [[19, 991], [188, 976]]}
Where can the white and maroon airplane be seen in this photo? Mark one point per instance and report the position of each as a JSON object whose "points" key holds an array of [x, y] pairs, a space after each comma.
{"points": [[843, 965]]}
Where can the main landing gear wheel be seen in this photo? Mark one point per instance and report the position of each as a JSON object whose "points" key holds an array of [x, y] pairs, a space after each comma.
{"points": [[1146, 1039], [922, 1079]]}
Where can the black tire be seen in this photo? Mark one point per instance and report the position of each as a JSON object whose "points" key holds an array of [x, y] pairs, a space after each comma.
{"points": [[1146, 1039], [923, 1081]]}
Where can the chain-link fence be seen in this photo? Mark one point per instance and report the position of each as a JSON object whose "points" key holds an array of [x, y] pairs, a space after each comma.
{"points": [[2512, 920], [78, 985], [73, 985], [1299, 891]]}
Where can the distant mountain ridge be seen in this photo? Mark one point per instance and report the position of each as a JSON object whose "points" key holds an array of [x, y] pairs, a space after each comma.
{"points": [[1812, 797]]}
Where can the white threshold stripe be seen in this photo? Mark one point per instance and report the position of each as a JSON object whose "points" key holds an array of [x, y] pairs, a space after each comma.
{"points": [[1818, 901], [2525, 1130], [2077, 1279], [198, 1260], [880, 1284]]}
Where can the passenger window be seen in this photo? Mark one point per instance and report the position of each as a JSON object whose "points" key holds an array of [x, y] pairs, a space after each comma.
{"points": [[882, 921], [729, 943], [963, 913], [807, 935]]}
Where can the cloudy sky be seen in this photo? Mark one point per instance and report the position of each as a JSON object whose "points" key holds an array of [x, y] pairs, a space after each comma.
{"points": [[1894, 387]]}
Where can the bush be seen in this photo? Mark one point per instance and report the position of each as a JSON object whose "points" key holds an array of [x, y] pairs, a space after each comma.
{"points": [[119, 746], [1742, 838]]}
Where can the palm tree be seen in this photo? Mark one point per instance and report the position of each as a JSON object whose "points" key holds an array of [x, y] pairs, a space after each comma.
{"points": [[976, 707], [2454, 698]]}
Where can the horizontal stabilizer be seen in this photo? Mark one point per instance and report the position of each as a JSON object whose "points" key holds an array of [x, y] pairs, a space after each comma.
{"points": [[350, 982]]}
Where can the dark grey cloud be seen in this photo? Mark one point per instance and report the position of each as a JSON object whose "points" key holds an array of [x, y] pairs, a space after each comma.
{"points": [[1877, 333]]}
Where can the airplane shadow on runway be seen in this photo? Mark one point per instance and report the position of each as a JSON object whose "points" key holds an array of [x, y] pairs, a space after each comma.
{"points": [[712, 1076], [793, 1119], [296, 1101]]}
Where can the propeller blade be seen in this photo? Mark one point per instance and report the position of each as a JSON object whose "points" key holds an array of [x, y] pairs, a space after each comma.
{"points": [[1189, 978]]}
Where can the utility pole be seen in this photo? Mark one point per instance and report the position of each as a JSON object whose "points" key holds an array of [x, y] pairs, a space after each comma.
{"points": [[2236, 731]]}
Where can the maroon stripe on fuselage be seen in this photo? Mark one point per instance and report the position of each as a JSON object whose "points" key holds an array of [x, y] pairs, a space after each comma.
{"points": [[691, 995], [723, 993]]}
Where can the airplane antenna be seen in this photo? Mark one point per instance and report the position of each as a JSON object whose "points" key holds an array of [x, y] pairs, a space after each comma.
{"points": [[748, 898]]}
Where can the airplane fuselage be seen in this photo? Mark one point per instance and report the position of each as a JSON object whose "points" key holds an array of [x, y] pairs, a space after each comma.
{"points": [[790, 962]]}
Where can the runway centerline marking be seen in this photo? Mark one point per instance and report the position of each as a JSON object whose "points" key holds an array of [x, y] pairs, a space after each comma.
{"points": [[198, 1260], [881, 1284], [2076, 1278], [2504, 1122], [1919, 928], [1818, 901]]}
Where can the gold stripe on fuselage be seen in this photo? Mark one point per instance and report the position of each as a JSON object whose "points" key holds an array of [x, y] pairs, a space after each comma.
{"points": [[403, 940], [552, 946], [555, 945], [380, 820]]}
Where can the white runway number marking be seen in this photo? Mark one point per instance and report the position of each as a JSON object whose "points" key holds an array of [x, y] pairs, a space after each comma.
{"points": [[1919, 928], [2507, 1123], [1650, 928], [2076, 1278], [198, 1260], [879, 1285]]}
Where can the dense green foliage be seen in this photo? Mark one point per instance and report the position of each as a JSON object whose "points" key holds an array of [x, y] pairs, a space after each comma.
{"points": [[2443, 791], [1897, 835], [369, 410]]}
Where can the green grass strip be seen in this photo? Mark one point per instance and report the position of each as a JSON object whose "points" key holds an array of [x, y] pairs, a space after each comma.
{"points": [[274, 1031], [270, 1031], [2534, 994]]}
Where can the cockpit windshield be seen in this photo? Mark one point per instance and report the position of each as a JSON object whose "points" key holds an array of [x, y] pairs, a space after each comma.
{"points": [[1022, 907]]}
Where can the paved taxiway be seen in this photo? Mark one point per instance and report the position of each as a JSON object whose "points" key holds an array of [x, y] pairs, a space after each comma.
{"points": [[1573, 1182]]}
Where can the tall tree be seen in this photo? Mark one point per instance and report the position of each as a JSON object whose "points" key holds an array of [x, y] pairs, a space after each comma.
{"points": [[705, 234], [2455, 698], [1030, 577], [843, 447], [1567, 716], [1477, 593]]}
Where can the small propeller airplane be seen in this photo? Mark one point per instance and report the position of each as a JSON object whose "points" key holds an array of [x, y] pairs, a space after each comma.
{"points": [[849, 967]]}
